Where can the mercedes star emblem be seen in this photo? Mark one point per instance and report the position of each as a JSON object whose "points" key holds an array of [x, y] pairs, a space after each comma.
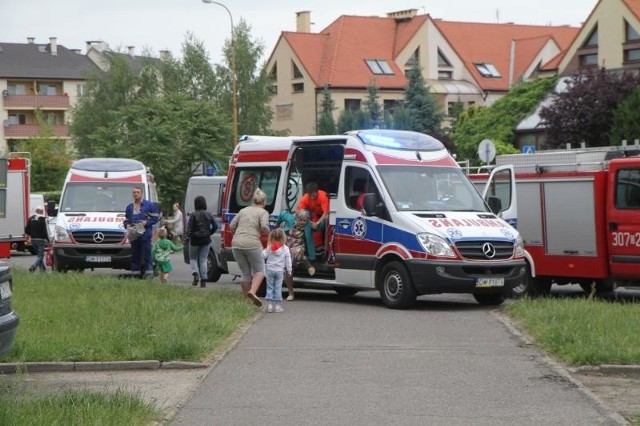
{"points": [[489, 250], [98, 237]]}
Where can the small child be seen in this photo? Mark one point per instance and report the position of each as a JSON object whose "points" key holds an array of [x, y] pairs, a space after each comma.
{"points": [[277, 259], [161, 252]]}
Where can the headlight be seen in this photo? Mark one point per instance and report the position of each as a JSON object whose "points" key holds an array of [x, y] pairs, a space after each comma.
{"points": [[435, 245], [518, 247], [62, 235]]}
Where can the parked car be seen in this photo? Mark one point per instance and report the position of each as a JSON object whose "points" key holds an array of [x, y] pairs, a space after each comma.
{"points": [[8, 318]]}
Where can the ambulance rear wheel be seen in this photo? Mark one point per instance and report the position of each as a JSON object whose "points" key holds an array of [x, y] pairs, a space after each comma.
{"points": [[396, 289]]}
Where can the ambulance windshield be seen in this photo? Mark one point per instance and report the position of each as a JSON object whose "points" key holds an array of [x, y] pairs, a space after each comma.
{"points": [[428, 188], [96, 197]]}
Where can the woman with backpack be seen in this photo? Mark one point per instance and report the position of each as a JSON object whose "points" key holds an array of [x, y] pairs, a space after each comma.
{"points": [[200, 227]]}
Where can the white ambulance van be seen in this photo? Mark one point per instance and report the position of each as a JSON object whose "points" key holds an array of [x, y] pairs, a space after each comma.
{"points": [[89, 231], [423, 228]]}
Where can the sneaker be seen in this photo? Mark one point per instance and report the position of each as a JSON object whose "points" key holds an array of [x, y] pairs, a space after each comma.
{"points": [[311, 270], [270, 307], [256, 301], [163, 280], [32, 268], [196, 279], [203, 283], [290, 297], [278, 308]]}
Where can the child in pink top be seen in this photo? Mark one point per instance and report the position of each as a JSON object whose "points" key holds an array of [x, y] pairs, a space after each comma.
{"points": [[277, 258]]}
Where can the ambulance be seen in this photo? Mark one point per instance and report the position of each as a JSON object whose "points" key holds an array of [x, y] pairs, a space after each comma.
{"points": [[423, 228], [89, 231]]}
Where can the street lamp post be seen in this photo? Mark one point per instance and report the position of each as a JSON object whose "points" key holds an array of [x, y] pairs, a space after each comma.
{"points": [[233, 72]]}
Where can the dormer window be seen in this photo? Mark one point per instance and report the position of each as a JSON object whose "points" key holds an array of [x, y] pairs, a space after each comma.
{"points": [[487, 69], [379, 66]]}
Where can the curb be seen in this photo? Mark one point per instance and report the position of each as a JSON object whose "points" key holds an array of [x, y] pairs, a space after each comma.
{"points": [[38, 367], [609, 370], [529, 341]]}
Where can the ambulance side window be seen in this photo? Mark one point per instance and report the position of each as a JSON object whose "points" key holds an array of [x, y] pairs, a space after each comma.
{"points": [[247, 180]]}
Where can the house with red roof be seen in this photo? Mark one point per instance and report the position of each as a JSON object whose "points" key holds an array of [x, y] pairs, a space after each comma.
{"points": [[466, 63], [609, 37]]}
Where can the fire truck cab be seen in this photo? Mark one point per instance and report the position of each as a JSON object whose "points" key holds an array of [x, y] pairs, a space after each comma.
{"points": [[579, 217], [423, 227]]}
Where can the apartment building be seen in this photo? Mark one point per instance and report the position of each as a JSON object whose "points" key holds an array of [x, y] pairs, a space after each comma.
{"points": [[44, 77]]}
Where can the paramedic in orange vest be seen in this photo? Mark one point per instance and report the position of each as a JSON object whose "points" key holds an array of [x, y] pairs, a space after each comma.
{"points": [[316, 201]]}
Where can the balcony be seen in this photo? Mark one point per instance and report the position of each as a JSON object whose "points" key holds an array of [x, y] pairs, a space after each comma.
{"points": [[24, 131], [35, 101]]}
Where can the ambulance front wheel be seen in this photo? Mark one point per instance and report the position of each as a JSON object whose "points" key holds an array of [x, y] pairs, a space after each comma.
{"points": [[396, 288]]}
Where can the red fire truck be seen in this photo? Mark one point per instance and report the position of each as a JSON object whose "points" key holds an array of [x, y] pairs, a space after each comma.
{"points": [[579, 217], [15, 187]]}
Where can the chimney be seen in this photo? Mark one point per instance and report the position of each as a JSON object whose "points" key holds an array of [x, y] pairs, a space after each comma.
{"points": [[53, 46], [131, 50], [303, 21], [31, 40], [402, 15], [165, 55], [99, 45]]}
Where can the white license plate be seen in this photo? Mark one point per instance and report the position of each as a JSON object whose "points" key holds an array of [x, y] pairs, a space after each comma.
{"points": [[490, 282], [5, 291], [98, 259]]}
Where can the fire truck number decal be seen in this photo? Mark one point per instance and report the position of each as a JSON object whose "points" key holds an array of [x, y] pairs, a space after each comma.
{"points": [[625, 239]]}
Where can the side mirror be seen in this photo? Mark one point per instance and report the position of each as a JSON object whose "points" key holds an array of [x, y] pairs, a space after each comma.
{"points": [[51, 208], [369, 204], [495, 204]]}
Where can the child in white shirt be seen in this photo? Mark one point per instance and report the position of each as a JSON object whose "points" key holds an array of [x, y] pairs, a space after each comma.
{"points": [[277, 258]]}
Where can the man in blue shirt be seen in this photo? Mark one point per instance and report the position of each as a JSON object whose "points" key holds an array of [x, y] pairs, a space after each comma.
{"points": [[141, 213]]}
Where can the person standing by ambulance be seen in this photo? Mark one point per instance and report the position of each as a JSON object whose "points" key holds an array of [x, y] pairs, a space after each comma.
{"points": [[141, 213], [36, 229], [246, 245]]}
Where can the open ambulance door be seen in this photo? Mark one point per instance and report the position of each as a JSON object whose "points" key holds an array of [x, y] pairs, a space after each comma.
{"points": [[502, 185]]}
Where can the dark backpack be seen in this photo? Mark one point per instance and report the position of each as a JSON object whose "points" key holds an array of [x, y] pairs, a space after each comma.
{"points": [[204, 224]]}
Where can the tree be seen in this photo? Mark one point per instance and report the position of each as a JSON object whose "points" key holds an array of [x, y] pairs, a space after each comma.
{"points": [[625, 122], [372, 109], [326, 123], [169, 131], [422, 107], [584, 111], [498, 121], [345, 121], [401, 118], [49, 159], [253, 83]]}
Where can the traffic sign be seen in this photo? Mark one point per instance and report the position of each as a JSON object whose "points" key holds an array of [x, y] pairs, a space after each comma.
{"points": [[528, 149]]}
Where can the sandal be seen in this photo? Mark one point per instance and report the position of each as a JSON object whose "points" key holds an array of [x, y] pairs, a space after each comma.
{"points": [[256, 301]]}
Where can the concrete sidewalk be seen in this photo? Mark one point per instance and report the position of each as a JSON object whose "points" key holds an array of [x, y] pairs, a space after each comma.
{"points": [[331, 360]]}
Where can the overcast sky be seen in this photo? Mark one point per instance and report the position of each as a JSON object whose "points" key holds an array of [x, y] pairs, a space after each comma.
{"points": [[163, 24]]}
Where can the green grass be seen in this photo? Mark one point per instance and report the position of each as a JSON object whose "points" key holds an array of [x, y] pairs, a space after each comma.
{"points": [[75, 408], [82, 317], [580, 331]]}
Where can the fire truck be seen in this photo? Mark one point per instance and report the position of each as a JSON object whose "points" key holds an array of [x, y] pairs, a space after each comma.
{"points": [[15, 184], [578, 215]]}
